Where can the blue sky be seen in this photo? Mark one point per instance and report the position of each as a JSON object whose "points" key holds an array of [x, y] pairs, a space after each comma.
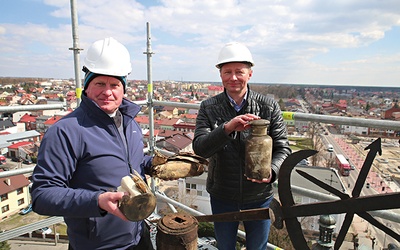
{"points": [[340, 42]]}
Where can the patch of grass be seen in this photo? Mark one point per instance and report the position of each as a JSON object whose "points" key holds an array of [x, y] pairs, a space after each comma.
{"points": [[300, 143], [17, 220], [61, 228]]}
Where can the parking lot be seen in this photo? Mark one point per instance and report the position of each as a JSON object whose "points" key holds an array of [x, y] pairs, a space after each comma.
{"points": [[11, 165]]}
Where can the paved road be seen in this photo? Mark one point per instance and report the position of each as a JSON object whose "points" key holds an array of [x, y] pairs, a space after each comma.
{"points": [[367, 232]]}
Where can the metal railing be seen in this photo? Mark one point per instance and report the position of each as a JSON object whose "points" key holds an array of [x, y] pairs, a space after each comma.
{"points": [[383, 124], [60, 106], [27, 229], [329, 119]]}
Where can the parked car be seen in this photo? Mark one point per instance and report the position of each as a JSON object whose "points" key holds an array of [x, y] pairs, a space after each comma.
{"points": [[384, 161], [26, 210], [392, 246], [3, 160], [27, 162], [304, 162], [16, 159], [209, 240], [45, 230]]}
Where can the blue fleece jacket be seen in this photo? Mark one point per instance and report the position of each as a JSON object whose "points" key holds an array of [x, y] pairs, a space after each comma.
{"points": [[81, 156]]}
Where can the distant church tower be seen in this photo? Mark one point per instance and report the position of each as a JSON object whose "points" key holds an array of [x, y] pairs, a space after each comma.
{"points": [[326, 227]]}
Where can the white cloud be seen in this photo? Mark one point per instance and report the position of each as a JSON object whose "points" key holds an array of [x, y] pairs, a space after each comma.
{"points": [[284, 36]]}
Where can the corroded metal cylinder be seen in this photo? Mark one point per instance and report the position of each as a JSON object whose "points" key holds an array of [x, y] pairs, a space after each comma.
{"points": [[258, 153], [177, 231]]}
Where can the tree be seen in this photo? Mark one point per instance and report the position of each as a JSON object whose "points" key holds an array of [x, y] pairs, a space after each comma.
{"points": [[316, 143], [280, 238], [330, 162], [5, 246], [205, 229], [367, 107], [281, 104]]}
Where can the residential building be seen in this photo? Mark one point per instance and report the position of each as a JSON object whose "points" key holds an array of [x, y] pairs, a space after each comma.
{"points": [[215, 90], [354, 130], [388, 113], [40, 126], [29, 120], [5, 124], [176, 143], [185, 127], [193, 193], [21, 150], [14, 194]]}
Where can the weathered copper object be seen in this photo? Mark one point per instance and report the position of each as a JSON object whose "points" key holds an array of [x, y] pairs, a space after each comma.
{"points": [[177, 231], [182, 165], [258, 152], [139, 202], [349, 205]]}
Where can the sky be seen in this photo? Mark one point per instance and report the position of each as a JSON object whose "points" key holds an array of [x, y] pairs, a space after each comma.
{"points": [[331, 42]]}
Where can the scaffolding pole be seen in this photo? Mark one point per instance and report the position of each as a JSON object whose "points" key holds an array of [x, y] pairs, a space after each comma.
{"points": [[75, 48], [150, 107]]}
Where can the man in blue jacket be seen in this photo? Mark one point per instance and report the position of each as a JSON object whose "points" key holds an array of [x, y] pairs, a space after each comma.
{"points": [[83, 157]]}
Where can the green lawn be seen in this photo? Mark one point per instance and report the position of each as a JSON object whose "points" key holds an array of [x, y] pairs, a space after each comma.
{"points": [[300, 143], [17, 220]]}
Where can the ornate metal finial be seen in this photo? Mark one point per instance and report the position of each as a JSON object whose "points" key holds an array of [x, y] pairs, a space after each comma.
{"points": [[350, 205]]}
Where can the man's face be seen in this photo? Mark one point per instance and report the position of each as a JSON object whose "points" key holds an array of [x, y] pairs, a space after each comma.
{"points": [[235, 76], [107, 92]]}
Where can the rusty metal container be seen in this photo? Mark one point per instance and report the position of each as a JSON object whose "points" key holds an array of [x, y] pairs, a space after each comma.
{"points": [[177, 231], [258, 152]]}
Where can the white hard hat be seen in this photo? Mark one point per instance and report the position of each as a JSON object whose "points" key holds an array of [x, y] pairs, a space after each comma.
{"points": [[108, 57], [234, 52]]}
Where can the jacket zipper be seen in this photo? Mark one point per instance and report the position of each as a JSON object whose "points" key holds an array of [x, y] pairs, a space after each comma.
{"points": [[127, 147], [130, 170]]}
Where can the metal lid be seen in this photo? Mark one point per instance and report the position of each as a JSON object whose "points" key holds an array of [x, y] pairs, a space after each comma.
{"points": [[259, 122]]}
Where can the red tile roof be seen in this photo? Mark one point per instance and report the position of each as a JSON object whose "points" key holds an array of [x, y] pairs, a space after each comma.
{"points": [[216, 88], [53, 120], [16, 181], [27, 118], [188, 116], [142, 119], [179, 141], [20, 144]]}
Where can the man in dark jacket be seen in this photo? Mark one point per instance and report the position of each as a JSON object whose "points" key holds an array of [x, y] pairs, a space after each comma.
{"points": [[221, 130], [83, 157]]}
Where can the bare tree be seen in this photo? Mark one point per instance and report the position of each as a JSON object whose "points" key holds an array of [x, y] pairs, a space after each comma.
{"points": [[316, 143]]}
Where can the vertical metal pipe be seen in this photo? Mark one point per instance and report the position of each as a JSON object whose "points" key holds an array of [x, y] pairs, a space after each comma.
{"points": [[149, 54], [56, 235], [76, 49]]}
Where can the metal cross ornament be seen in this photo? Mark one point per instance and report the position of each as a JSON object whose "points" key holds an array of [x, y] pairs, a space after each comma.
{"points": [[350, 205]]}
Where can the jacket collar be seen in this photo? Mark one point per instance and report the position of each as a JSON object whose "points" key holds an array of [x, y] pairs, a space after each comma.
{"points": [[127, 108]]}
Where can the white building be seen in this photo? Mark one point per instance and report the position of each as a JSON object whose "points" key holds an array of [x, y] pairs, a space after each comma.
{"points": [[193, 193], [355, 130]]}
